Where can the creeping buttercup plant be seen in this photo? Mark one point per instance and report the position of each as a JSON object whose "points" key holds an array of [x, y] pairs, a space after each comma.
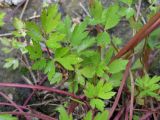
{"points": [[76, 51], [72, 48], [69, 53]]}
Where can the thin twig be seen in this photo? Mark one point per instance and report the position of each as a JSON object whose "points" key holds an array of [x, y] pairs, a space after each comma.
{"points": [[30, 70], [152, 106], [132, 95], [24, 8], [148, 114], [13, 103], [27, 80], [33, 17], [42, 115], [118, 116], [33, 92], [82, 6], [37, 87], [138, 9], [8, 104], [140, 14], [25, 57], [6, 35], [30, 115], [120, 88], [11, 14], [126, 113], [42, 103]]}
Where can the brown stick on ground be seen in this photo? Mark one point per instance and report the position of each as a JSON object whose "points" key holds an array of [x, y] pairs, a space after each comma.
{"points": [[152, 24]]}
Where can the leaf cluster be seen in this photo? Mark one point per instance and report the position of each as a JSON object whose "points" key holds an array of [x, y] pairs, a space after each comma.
{"points": [[148, 87]]}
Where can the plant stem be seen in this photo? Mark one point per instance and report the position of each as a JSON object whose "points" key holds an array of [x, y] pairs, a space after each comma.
{"points": [[120, 88], [37, 87]]}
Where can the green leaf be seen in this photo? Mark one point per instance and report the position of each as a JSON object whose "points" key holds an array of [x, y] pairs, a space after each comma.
{"points": [[5, 41], [65, 27], [104, 90], [61, 52], [96, 9], [69, 60], [56, 78], [101, 90], [137, 65], [34, 50], [54, 40], [137, 25], [19, 45], [86, 43], [139, 100], [117, 66], [102, 116], [117, 41], [100, 70], [88, 71], [129, 12], [39, 64], [136, 117], [1, 19], [148, 86], [34, 31], [50, 18], [79, 78], [90, 90], [103, 39], [107, 95], [128, 2], [154, 80], [109, 55], [50, 69], [88, 116], [79, 34], [7, 117], [11, 62], [73, 86], [153, 40], [111, 16], [18, 24], [116, 78], [97, 103], [6, 50], [90, 59], [63, 114]]}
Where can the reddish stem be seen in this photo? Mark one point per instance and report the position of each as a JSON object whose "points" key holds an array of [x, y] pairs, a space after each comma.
{"points": [[29, 98], [153, 23], [37, 87], [119, 114], [25, 108], [126, 113], [13, 103], [33, 92], [8, 104], [120, 88], [40, 114], [41, 117], [132, 96], [148, 114]]}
